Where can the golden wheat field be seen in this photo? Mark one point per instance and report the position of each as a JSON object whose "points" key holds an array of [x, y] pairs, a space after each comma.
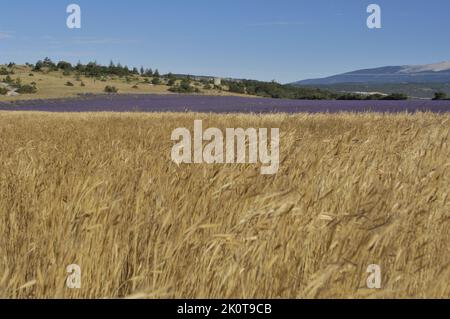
{"points": [[101, 191]]}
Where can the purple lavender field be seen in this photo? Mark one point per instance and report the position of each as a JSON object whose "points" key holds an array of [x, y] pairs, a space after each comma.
{"points": [[219, 104]]}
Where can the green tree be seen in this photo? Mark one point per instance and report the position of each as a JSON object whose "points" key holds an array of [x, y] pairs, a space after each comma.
{"points": [[63, 65], [440, 96], [38, 66], [171, 82], [148, 73]]}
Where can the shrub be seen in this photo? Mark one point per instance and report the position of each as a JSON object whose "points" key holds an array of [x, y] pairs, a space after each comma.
{"points": [[26, 89], [68, 83], [440, 96], [4, 71], [3, 91], [8, 80], [111, 89], [18, 83], [156, 81], [82, 84], [135, 87], [395, 96], [374, 97], [184, 87], [236, 87]]}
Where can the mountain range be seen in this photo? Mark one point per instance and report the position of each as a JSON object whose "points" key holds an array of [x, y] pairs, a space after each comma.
{"points": [[427, 73]]}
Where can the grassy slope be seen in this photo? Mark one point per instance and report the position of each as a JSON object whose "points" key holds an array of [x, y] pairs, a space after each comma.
{"points": [[101, 191], [52, 85]]}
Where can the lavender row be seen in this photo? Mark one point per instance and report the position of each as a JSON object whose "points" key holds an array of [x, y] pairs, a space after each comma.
{"points": [[220, 104]]}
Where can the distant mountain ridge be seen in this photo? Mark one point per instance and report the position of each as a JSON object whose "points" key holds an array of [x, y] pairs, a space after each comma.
{"points": [[427, 73]]}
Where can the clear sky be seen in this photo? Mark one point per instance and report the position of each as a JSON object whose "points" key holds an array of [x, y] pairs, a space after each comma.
{"points": [[285, 40]]}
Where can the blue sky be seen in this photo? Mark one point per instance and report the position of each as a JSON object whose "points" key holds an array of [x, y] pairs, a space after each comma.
{"points": [[285, 40]]}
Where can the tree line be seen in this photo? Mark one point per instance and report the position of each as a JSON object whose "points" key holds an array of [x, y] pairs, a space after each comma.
{"points": [[280, 91], [93, 69]]}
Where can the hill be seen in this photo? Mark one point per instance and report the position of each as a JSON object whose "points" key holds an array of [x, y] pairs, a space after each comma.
{"points": [[428, 73], [51, 81], [48, 80]]}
